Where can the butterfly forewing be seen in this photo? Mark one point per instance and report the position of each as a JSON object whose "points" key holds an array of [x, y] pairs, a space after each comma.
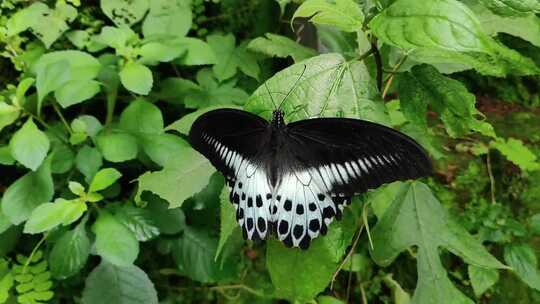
{"points": [[292, 180]]}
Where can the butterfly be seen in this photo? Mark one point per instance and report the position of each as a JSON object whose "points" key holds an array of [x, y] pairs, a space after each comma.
{"points": [[292, 180]]}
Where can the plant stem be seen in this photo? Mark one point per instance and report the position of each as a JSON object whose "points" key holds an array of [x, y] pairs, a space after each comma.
{"points": [[349, 254], [491, 178], [34, 252], [64, 121], [393, 74], [378, 63]]}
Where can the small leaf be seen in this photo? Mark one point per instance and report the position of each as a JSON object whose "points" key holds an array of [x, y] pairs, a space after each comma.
{"points": [[139, 221], [117, 147], [88, 161], [28, 192], [280, 46], [231, 58], [227, 220], [522, 259], [142, 117], [482, 279], [8, 114], [103, 179], [70, 253], [153, 52], [5, 156], [179, 180], [76, 91], [114, 242], [198, 52], [86, 124], [76, 188], [167, 18], [108, 283], [49, 215], [137, 78], [344, 14], [29, 145], [124, 12]]}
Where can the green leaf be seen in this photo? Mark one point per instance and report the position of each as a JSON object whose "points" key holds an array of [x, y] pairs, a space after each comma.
{"points": [[482, 279], [280, 46], [108, 283], [211, 93], [446, 31], [6, 281], [344, 14], [522, 259], [25, 18], [114, 241], [103, 179], [194, 255], [8, 114], [174, 89], [86, 124], [142, 117], [515, 151], [117, 147], [139, 221], [424, 223], [399, 295], [78, 38], [49, 215], [5, 156], [381, 198], [424, 86], [179, 180], [76, 91], [227, 220], [117, 38], [28, 192], [5, 224], [534, 222], [23, 86], [29, 145], [163, 148], [88, 161], [198, 52], [153, 52], [124, 12], [167, 18], [70, 253], [76, 188], [168, 221], [183, 125], [137, 78], [322, 259], [512, 8], [231, 58], [63, 158], [344, 89]]}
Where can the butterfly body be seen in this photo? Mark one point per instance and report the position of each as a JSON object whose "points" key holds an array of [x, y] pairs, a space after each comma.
{"points": [[293, 179]]}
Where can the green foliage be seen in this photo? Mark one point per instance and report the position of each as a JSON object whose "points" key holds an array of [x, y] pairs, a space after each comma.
{"points": [[102, 191]]}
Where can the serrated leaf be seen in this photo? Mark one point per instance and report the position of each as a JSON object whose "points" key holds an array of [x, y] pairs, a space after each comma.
{"points": [[231, 58], [137, 78], [227, 220], [124, 12], [482, 278], [142, 117], [70, 253], [114, 241], [522, 259], [344, 14], [28, 192], [108, 283], [322, 259], [167, 18], [343, 89], [424, 223], [103, 179], [49, 215], [516, 152], [211, 93], [280, 46], [117, 147], [179, 180], [29, 145]]}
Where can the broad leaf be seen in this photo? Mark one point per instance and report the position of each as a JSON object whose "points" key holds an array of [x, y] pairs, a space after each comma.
{"points": [[231, 58], [28, 192], [70, 253], [137, 78], [163, 148], [103, 179], [280, 46], [29, 145], [179, 180], [76, 91], [154, 52], [482, 279], [124, 12], [88, 161], [117, 147], [114, 241], [344, 14], [168, 221], [523, 261], [424, 223], [198, 52], [8, 114], [167, 18], [211, 93], [512, 8], [108, 283], [139, 221], [142, 117], [517, 152], [326, 86], [49, 215], [299, 275]]}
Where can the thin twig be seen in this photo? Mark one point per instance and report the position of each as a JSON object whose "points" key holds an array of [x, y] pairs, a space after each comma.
{"points": [[349, 254], [64, 121], [365, 54], [349, 279], [29, 259], [491, 179], [378, 63], [392, 75], [363, 294], [366, 224]]}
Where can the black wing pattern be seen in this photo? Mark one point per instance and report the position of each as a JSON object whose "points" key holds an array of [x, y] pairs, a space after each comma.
{"points": [[334, 158]]}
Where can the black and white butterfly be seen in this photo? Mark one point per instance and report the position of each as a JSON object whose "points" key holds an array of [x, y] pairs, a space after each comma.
{"points": [[293, 179]]}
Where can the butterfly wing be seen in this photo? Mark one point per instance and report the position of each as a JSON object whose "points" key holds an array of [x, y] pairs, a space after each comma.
{"points": [[234, 141], [334, 158]]}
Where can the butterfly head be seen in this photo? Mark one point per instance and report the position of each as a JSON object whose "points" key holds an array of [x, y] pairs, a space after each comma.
{"points": [[278, 120]]}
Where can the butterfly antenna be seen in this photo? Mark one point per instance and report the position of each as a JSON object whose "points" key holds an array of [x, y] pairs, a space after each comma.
{"points": [[293, 87], [271, 98]]}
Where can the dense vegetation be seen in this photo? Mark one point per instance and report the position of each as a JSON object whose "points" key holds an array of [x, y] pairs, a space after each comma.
{"points": [[104, 201]]}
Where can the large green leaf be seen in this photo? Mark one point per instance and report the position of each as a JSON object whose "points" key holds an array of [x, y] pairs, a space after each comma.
{"points": [[179, 179], [416, 218], [299, 275], [70, 253], [522, 259], [344, 14], [108, 283], [137, 78], [167, 18], [124, 12], [326, 85], [28, 192], [446, 31], [29, 145], [114, 241], [142, 117], [117, 147], [162, 148], [280, 46]]}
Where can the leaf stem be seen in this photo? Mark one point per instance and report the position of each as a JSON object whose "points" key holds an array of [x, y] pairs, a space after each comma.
{"points": [[349, 254], [62, 118], [29, 259], [393, 74], [491, 178]]}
